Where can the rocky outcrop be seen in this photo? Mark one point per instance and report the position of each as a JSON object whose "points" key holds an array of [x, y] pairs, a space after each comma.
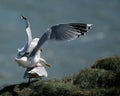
{"points": [[102, 79]]}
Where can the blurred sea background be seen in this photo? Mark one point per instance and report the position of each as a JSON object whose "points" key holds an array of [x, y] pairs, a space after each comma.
{"points": [[67, 58]]}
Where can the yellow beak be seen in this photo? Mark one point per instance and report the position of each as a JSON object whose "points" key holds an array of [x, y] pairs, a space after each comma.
{"points": [[48, 65]]}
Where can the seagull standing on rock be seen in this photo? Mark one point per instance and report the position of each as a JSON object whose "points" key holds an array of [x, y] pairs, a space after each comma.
{"points": [[29, 56]]}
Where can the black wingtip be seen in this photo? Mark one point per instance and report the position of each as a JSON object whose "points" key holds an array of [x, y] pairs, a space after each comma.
{"points": [[23, 17], [89, 26]]}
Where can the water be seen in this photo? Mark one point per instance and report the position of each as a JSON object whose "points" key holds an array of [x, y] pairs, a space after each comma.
{"points": [[66, 58]]}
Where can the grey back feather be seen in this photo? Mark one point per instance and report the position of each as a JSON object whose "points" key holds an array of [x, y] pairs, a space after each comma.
{"points": [[62, 32]]}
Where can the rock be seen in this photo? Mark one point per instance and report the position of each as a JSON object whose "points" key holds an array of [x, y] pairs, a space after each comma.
{"points": [[95, 78], [42, 88], [109, 63], [100, 80]]}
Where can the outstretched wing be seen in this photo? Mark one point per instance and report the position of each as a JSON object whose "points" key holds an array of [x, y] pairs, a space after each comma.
{"points": [[62, 32], [25, 48], [28, 30]]}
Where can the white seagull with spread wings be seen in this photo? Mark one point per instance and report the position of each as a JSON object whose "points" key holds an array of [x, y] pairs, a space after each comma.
{"points": [[29, 55]]}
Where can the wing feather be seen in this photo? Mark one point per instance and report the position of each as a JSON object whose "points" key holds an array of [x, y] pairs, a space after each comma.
{"points": [[25, 48], [62, 32]]}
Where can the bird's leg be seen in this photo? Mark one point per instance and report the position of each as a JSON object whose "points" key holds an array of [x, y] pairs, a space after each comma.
{"points": [[29, 80]]}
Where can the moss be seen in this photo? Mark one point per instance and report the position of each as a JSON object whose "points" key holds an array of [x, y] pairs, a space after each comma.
{"points": [[93, 78], [59, 89], [109, 63], [105, 92], [8, 91], [6, 94], [69, 79], [81, 92], [100, 80]]}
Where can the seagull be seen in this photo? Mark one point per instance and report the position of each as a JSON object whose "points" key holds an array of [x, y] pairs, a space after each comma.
{"points": [[35, 65], [29, 56]]}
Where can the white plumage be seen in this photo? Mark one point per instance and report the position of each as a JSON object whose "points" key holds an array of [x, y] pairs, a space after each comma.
{"points": [[29, 56]]}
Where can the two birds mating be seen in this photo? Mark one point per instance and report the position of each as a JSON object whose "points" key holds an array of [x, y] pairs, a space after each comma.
{"points": [[29, 56]]}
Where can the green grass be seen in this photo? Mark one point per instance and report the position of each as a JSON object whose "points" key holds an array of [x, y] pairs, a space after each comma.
{"points": [[94, 78], [109, 63], [102, 79]]}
